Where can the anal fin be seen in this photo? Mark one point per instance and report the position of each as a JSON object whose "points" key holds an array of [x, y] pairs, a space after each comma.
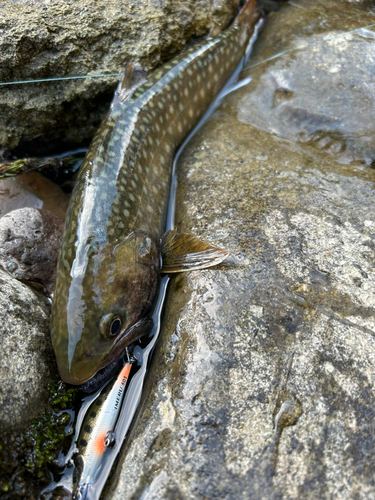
{"points": [[186, 252]]}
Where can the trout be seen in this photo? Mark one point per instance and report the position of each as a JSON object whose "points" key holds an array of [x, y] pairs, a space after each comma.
{"points": [[113, 248]]}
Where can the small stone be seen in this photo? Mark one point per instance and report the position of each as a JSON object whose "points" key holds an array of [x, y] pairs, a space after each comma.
{"points": [[257, 311], [29, 245]]}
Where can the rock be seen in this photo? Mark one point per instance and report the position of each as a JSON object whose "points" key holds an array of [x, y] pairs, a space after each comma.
{"points": [[31, 189], [27, 361], [29, 245], [269, 5], [49, 38], [262, 383], [317, 96]]}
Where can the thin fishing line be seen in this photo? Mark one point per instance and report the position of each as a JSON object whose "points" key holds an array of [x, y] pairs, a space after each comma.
{"points": [[248, 67], [61, 78], [327, 39]]}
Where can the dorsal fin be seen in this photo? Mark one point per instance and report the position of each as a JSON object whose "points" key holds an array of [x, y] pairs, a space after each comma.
{"points": [[132, 78], [127, 77]]}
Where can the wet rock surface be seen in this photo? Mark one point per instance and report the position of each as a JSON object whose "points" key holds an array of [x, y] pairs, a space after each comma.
{"points": [[320, 96], [27, 361], [48, 39], [33, 190], [29, 245], [262, 383]]}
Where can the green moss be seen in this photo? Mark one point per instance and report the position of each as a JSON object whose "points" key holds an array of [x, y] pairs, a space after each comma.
{"points": [[24, 454]]}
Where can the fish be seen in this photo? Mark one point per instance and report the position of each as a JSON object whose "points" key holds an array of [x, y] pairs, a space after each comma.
{"points": [[114, 246], [97, 433]]}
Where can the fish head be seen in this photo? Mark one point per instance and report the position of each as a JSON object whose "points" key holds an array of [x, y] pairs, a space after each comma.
{"points": [[101, 303]]}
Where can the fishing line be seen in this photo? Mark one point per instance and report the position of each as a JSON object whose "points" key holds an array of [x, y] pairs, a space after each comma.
{"points": [[106, 75], [327, 39]]}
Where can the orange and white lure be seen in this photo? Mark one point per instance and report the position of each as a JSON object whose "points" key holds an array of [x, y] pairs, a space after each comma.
{"points": [[97, 433]]}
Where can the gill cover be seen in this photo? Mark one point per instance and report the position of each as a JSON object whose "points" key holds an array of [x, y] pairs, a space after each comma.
{"points": [[103, 308]]}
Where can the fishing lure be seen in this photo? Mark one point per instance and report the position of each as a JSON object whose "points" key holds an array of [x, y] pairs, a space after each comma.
{"points": [[97, 432]]}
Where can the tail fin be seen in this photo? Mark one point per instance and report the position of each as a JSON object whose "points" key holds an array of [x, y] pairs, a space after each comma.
{"points": [[249, 14]]}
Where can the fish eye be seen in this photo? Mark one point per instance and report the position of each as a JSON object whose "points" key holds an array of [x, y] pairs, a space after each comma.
{"points": [[110, 325], [115, 326]]}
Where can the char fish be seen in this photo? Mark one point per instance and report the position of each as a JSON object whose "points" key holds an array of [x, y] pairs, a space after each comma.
{"points": [[113, 250]]}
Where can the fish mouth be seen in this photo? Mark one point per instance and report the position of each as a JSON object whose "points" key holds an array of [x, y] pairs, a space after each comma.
{"points": [[140, 329], [70, 378], [103, 375], [81, 376]]}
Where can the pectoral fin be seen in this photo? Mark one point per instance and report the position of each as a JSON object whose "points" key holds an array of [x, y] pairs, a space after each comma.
{"points": [[185, 252]]}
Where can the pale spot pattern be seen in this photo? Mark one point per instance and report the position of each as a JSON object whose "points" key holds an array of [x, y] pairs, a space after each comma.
{"points": [[124, 181]]}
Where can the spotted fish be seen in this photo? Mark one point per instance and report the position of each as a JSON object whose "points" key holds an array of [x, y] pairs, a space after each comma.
{"points": [[110, 255]]}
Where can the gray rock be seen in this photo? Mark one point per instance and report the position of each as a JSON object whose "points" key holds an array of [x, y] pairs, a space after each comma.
{"points": [[262, 383], [49, 38], [27, 362], [29, 245], [319, 96]]}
